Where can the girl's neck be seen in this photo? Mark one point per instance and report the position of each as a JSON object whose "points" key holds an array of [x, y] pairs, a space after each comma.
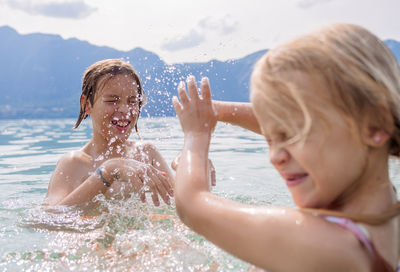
{"points": [[373, 193], [98, 147]]}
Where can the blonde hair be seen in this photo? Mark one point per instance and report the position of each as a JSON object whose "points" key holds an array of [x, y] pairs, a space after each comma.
{"points": [[360, 74]]}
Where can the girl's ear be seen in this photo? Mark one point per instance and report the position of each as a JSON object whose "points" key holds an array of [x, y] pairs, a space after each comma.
{"points": [[375, 137], [376, 132], [85, 104]]}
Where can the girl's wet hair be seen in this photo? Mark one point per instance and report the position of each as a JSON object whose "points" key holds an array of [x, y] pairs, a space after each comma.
{"points": [[360, 77], [106, 69]]}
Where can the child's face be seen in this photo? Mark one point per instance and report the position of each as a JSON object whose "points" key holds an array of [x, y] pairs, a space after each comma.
{"points": [[116, 108], [329, 161]]}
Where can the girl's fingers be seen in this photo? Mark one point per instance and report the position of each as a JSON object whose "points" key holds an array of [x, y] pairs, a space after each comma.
{"points": [[177, 105], [182, 93], [213, 179], [159, 185], [153, 190], [154, 196], [205, 89], [142, 191], [192, 88], [143, 196], [166, 182], [161, 189], [175, 163], [212, 174]]}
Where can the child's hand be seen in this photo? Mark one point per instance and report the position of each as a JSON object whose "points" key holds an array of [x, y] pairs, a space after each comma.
{"points": [[142, 177], [156, 182], [196, 114], [211, 169]]}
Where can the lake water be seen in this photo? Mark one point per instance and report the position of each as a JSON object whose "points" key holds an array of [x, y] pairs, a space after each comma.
{"points": [[130, 236]]}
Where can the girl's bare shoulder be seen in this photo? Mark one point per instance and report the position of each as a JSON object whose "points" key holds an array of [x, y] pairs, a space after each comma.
{"points": [[77, 158]]}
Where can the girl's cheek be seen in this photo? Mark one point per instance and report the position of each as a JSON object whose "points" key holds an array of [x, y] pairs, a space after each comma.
{"points": [[135, 111], [110, 108]]}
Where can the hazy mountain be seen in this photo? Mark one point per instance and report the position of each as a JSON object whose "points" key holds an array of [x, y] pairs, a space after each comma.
{"points": [[40, 75]]}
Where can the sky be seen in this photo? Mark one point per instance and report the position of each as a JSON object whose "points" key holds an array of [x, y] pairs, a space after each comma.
{"points": [[195, 31]]}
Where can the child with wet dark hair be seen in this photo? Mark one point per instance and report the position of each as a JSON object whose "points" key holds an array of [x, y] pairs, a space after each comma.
{"points": [[110, 163]]}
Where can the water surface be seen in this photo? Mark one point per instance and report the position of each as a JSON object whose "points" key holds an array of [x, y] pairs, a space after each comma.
{"points": [[121, 235]]}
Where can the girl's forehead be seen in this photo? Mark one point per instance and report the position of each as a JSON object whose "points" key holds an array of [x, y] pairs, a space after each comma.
{"points": [[119, 85]]}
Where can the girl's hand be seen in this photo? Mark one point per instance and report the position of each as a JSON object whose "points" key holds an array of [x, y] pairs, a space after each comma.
{"points": [[154, 181], [196, 114], [142, 177]]}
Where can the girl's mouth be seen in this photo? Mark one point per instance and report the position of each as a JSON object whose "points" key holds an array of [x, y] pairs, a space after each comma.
{"points": [[295, 179], [121, 124]]}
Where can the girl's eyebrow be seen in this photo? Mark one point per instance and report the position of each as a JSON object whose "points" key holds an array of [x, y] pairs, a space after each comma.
{"points": [[111, 95], [118, 97]]}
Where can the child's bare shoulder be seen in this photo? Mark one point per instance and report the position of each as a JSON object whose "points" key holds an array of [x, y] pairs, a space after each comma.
{"points": [[75, 158]]}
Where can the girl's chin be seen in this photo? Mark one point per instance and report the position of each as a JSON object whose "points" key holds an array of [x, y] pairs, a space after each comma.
{"points": [[112, 139]]}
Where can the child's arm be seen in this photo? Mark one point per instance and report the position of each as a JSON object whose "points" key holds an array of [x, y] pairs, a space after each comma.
{"points": [[237, 113], [272, 238], [66, 188], [69, 173], [211, 169]]}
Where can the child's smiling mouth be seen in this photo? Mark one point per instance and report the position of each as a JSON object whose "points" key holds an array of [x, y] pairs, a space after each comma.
{"points": [[121, 124]]}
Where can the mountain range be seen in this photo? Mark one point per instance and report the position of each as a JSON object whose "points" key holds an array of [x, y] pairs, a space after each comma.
{"points": [[40, 75]]}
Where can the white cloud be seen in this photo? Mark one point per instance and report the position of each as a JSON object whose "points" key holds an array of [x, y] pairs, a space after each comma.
{"points": [[189, 40], [75, 9], [200, 25], [223, 26], [310, 3], [204, 28]]}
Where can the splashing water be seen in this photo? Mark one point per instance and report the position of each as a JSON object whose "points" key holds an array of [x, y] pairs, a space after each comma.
{"points": [[118, 235], [122, 234]]}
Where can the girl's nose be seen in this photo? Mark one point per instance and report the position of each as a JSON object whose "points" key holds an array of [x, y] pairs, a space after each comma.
{"points": [[124, 108], [278, 155]]}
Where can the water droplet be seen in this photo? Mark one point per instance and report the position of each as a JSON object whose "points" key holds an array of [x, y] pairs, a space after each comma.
{"points": [[99, 158]]}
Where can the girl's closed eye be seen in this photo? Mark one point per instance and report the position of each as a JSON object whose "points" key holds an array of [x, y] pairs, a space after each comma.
{"points": [[111, 100], [277, 138], [281, 136], [133, 101]]}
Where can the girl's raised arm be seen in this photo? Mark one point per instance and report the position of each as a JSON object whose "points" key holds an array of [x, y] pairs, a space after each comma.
{"points": [[237, 113]]}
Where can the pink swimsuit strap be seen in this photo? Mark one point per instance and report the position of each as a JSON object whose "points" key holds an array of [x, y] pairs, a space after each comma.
{"points": [[361, 233], [358, 230]]}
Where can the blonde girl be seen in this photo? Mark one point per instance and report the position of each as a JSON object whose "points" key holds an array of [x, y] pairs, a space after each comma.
{"points": [[110, 163], [328, 104]]}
